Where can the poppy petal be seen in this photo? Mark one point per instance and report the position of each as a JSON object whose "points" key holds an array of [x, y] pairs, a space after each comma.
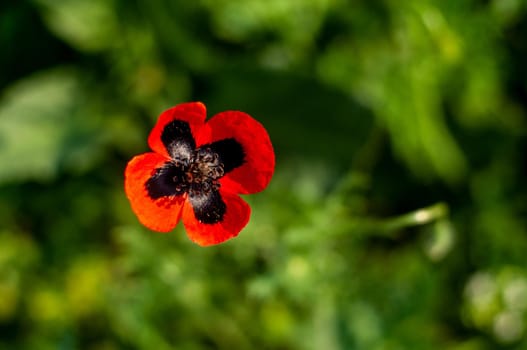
{"points": [[236, 216], [159, 214], [209, 208], [229, 151], [167, 180], [257, 167], [175, 131]]}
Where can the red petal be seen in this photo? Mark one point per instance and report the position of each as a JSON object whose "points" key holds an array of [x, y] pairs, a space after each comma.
{"points": [[161, 214], [254, 175], [192, 112], [235, 218]]}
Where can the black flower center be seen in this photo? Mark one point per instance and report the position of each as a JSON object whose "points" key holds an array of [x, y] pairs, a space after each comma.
{"points": [[195, 171], [201, 174]]}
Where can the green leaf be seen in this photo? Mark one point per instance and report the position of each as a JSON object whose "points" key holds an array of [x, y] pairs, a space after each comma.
{"points": [[87, 25], [34, 117]]}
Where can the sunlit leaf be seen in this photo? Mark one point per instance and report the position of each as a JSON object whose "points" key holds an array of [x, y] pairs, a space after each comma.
{"points": [[34, 116]]}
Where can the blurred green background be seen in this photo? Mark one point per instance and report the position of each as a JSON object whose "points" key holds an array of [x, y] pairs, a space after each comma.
{"points": [[396, 218]]}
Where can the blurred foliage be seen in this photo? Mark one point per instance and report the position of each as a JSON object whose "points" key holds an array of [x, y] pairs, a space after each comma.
{"points": [[397, 218]]}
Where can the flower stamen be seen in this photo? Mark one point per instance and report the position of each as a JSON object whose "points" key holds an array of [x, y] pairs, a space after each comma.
{"points": [[201, 173]]}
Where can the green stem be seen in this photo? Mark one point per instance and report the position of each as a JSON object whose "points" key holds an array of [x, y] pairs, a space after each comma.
{"points": [[418, 217], [387, 226]]}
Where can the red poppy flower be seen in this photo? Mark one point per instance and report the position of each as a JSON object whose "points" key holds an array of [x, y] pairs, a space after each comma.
{"points": [[197, 170]]}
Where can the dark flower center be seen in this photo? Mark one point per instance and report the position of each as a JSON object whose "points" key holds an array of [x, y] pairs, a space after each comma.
{"points": [[200, 173], [195, 171], [196, 175]]}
